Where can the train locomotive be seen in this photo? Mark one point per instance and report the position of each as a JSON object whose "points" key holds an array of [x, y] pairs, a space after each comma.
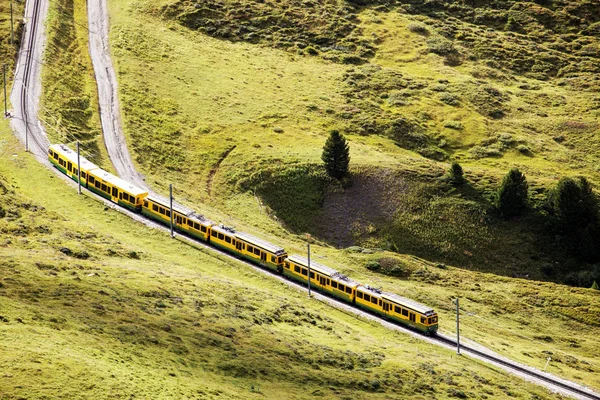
{"points": [[325, 279]]}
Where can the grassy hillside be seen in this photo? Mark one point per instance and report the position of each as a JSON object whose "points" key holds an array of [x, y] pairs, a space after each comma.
{"points": [[70, 101], [8, 51], [232, 101], [95, 305]]}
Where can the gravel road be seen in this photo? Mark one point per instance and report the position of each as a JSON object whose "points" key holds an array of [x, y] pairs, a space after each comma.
{"points": [[106, 79]]}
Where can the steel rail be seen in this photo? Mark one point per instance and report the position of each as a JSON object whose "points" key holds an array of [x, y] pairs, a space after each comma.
{"points": [[27, 72]]}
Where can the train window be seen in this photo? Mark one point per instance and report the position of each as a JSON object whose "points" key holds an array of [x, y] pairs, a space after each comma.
{"points": [[405, 312], [256, 251], [75, 172], [341, 287], [190, 223], [273, 259], [348, 289], [161, 210], [92, 180], [250, 249], [97, 184], [304, 271], [434, 320], [83, 175], [374, 300], [202, 228], [221, 236], [146, 203], [312, 275], [287, 265], [380, 302], [104, 188], [233, 242], [423, 319], [359, 295], [279, 260], [115, 192], [168, 213], [334, 284], [367, 297], [154, 207], [213, 234], [297, 269], [227, 239], [55, 156], [397, 309], [328, 281]]}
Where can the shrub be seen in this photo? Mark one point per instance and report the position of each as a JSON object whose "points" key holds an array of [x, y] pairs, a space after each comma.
{"points": [[595, 286], [449, 98], [574, 204], [512, 195], [453, 125], [440, 46], [418, 28]]}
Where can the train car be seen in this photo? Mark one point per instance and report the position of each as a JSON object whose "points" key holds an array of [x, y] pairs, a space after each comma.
{"points": [[322, 277], [96, 179], [183, 221], [397, 308], [116, 189], [65, 160], [247, 246]]}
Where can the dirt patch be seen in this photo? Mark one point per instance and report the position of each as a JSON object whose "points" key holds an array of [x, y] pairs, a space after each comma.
{"points": [[371, 202]]}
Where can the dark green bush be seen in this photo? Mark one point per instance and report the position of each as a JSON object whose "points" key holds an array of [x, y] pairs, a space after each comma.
{"points": [[512, 195]]}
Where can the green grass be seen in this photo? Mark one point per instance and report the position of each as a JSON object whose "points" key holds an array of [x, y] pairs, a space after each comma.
{"points": [[124, 312], [8, 52], [69, 105]]}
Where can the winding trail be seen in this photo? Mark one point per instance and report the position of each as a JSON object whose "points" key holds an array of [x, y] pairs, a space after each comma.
{"points": [[108, 99]]}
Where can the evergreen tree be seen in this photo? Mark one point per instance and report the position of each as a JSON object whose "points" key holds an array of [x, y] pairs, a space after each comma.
{"points": [[595, 286], [575, 204], [456, 173], [336, 155], [512, 195]]}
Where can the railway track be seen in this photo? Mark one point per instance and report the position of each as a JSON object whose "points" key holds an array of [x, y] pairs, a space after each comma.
{"points": [[41, 143]]}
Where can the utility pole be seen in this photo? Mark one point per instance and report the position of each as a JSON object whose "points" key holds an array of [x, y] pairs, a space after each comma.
{"points": [[12, 31], [457, 329], [308, 270], [4, 73], [171, 206], [26, 128], [78, 170]]}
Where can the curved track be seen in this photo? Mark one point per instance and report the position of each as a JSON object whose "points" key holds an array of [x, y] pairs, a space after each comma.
{"points": [[25, 97], [27, 84]]}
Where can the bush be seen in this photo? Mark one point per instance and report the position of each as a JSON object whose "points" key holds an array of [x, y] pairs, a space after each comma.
{"points": [[418, 28], [453, 125], [512, 195], [449, 98], [440, 46]]}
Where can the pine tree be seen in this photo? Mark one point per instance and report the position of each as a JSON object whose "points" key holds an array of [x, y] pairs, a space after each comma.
{"points": [[512, 195], [456, 174], [336, 155], [595, 286]]}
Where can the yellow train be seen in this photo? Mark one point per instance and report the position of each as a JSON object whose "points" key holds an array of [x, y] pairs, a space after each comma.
{"points": [[325, 279]]}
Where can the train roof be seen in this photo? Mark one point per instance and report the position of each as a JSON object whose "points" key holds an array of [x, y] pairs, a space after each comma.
{"points": [[397, 299], [71, 155], [190, 214], [118, 182], [323, 269], [253, 240]]}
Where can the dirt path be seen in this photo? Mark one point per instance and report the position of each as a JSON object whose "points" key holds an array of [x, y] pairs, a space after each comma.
{"points": [[27, 85], [110, 115], [214, 170]]}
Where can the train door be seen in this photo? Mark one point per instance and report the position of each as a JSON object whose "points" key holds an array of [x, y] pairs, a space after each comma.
{"points": [[412, 317], [386, 307], [322, 280], [263, 256], [238, 245]]}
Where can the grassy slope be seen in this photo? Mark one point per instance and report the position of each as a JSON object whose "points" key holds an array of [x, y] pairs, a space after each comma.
{"points": [[179, 109], [124, 312], [207, 113], [69, 106], [8, 52]]}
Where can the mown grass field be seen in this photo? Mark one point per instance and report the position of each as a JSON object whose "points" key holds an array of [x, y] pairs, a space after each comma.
{"points": [[95, 305]]}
